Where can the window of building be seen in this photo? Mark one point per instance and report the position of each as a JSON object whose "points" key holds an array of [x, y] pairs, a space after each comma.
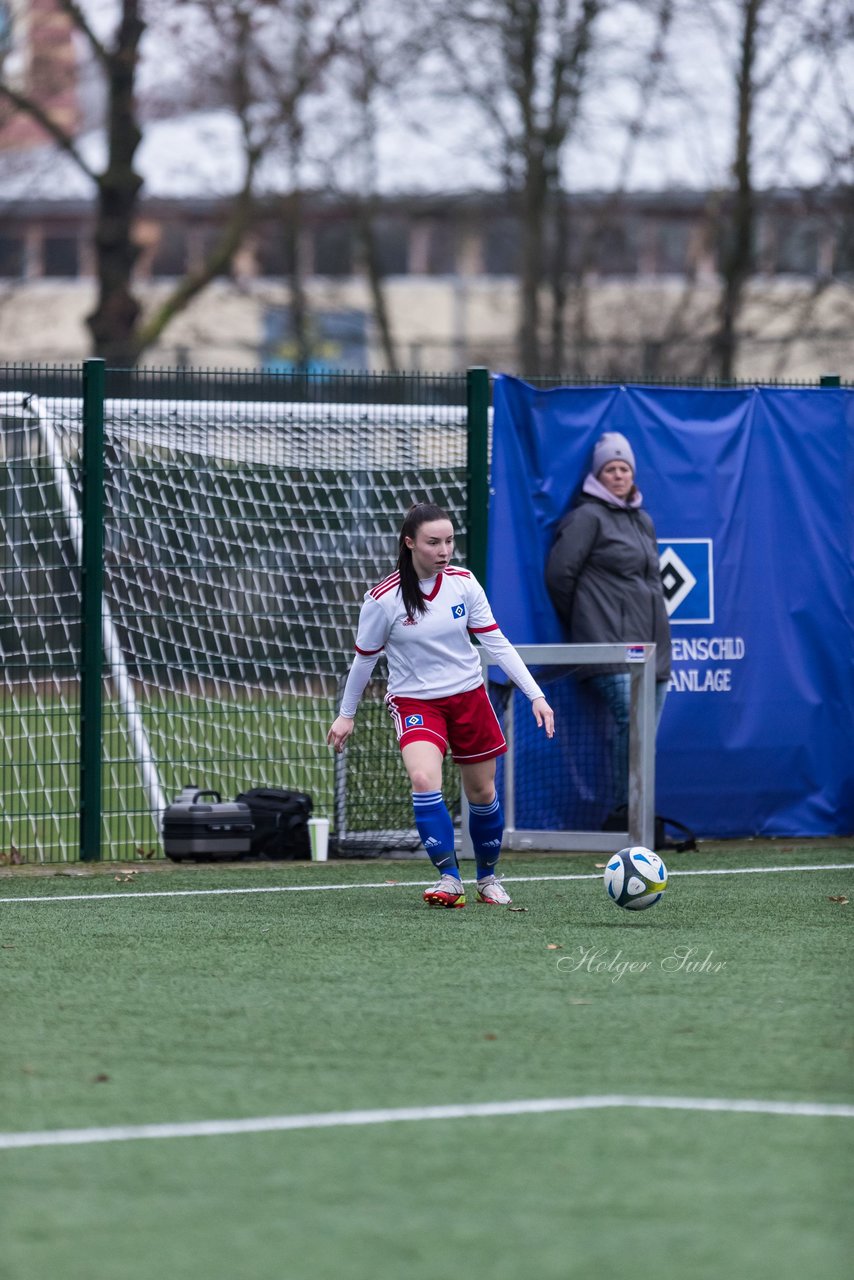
{"points": [[571, 244], [616, 249], [843, 257], [797, 244], [442, 249], [12, 257], [391, 237], [274, 250], [208, 242], [501, 247], [333, 249], [61, 256], [726, 244], [171, 257], [671, 239]]}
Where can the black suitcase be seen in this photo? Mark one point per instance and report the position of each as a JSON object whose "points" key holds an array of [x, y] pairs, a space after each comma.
{"points": [[279, 821], [195, 829]]}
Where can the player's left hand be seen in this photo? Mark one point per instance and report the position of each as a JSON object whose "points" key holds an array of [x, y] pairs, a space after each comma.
{"points": [[544, 716], [341, 729]]}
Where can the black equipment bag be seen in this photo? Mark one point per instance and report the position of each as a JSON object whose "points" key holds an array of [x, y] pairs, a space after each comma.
{"points": [[618, 820], [279, 821], [194, 828], [663, 841]]}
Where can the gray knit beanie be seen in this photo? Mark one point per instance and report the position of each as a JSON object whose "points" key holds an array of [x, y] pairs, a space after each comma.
{"points": [[612, 447]]}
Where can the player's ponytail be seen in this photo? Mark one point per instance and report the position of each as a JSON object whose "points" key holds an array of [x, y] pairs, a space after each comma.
{"points": [[419, 513]]}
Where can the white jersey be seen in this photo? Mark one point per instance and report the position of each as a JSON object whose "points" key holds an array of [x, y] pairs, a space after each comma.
{"points": [[431, 655]]}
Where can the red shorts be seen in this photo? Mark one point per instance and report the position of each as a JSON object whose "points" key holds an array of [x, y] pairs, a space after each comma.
{"points": [[465, 722]]}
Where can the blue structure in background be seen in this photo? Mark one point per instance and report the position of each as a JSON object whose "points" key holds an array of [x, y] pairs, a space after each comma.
{"points": [[338, 340], [752, 493]]}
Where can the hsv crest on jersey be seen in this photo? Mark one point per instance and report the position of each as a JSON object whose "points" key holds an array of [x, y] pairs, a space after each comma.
{"points": [[458, 610]]}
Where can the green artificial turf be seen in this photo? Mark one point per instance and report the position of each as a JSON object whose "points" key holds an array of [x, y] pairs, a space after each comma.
{"points": [[191, 1008]]}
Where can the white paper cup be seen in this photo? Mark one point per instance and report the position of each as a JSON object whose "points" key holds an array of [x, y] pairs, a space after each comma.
{"points": [[318, 830]]}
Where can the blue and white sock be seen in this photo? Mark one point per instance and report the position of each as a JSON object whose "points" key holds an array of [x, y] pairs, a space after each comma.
{"points": [[486, 825], [436, 829]]}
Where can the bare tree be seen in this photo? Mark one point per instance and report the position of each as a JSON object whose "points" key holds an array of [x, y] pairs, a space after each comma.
{"points": [[372, 72], [524, 65], [273, 58], [234, 26], [784, 60], [306, 48], [569, 284], [255, 61], [738, 247], [117, 185]]}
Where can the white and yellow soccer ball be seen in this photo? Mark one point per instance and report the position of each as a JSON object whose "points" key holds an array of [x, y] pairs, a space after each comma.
{"points": [[635, 878]]}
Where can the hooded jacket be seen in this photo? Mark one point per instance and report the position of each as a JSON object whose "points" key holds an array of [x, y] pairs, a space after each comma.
{"points": [[604, 580]]}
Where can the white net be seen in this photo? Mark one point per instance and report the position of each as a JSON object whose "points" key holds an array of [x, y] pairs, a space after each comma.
{"points": [[239, 538]]}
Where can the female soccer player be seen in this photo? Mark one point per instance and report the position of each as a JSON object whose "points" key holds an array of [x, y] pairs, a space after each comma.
{"points": [[422, 616]]}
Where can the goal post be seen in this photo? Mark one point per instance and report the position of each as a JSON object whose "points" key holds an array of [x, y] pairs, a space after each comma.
{"points": [[639, 661], [237, 521]]}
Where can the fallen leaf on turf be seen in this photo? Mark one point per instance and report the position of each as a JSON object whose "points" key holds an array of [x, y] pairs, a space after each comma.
{"points": [[127, 878], [841, 899], [490, 1035], [554, 946], [581, 1002], [600, 866], [100, 1078], [517, 908], [391, 882], [8, 946]]}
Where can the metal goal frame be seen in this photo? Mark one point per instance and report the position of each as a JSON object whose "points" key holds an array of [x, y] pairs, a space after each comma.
{"points": [[640, 660]]}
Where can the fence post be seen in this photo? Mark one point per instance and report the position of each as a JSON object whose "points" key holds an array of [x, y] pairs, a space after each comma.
{"points": [[91, 607], [477, 405]]}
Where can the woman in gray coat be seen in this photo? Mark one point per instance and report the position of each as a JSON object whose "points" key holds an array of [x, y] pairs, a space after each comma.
{"points": [[604, 580]]}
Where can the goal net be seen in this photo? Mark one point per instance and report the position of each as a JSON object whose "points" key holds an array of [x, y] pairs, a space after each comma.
{"points": [[239, 537]]}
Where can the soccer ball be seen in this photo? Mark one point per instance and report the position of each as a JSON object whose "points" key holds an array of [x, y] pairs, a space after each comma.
{"points": [[635, 878]]}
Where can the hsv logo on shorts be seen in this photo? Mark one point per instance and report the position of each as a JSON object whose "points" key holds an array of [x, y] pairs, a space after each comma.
{"points": [[458, 611], [412, 722]]}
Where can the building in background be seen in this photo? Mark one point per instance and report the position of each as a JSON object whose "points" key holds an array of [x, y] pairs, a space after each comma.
{"points": [[633, 291], [641, 302]]}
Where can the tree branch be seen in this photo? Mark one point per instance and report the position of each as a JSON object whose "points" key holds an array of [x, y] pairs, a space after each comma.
{"points": [[63, 140], [81, 22]]}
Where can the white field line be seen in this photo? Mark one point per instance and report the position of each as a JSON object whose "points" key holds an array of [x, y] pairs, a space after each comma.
{"points": [[462, 1111], [391, 884]]}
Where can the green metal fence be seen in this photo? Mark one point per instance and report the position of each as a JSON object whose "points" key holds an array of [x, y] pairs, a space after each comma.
{"points": [[184, 556]]}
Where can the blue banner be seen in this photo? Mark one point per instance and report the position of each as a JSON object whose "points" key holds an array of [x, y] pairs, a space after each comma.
{"points": [[752, 495]]}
